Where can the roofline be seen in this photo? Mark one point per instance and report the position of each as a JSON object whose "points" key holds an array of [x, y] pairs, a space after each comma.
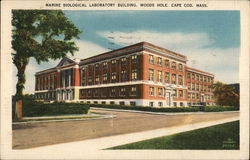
{"points": [[196, 70]]}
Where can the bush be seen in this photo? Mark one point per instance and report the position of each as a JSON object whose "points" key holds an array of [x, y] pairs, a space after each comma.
{"points": [[149, 109], [170, 109], [32, 108], [220, 108]]}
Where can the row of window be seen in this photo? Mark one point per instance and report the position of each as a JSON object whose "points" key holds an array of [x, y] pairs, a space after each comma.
{"points": [[124, 61], [167, 63], [199, 77], [162, 92], [168, 77], [106, 79], [46, 82], [199, 87], [46, 96], [110, 92], [197, 96]]}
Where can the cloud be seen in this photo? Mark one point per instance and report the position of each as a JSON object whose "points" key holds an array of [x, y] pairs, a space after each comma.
{"points": [[223, 62], [86, 49], [167, 40]]}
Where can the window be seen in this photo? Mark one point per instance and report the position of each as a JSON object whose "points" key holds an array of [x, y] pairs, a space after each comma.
{"points": [[134, 74], [122, 103], [97, 67], [104, 92], [167, 63], [180, 80], [173, 78], [193, 86], [114, 77], [89, 93], [167, 77], [151, 91], [193, 76], [95, 102], [124, 60], [105, 65], [96, 93], [134, 58], [160, 104], [180, 67], [160, 76], [133, 103], [160, 61], [174, 65], [174, 93], [197, 96], [124, 75], [160, 90], [112, 92], [151, 104], [90, 80], [151, 74], [189, 95], [189, 75], [193, 95], [103, 102], [201, 78], [122, 91], [181, 104], [133, 91], [197, 77], [112, 102], [189, 85], [175, 104], [151, 59], [105, 78], [113, 62], [181, 94], [97, 79]]}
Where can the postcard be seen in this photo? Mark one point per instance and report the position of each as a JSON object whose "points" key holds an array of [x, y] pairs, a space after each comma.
{"points": [[124, 79]]}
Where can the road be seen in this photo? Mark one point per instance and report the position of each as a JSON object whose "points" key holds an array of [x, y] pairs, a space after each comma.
{"points": [[47, 133]]}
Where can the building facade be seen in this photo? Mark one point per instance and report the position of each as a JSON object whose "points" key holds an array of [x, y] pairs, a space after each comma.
{"points": [[141, 74]]}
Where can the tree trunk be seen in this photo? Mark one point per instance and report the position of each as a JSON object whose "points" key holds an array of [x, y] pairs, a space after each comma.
{"points": [[19, 91]]}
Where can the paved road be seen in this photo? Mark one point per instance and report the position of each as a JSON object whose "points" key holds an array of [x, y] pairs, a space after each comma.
{"points": [[41, 134]]}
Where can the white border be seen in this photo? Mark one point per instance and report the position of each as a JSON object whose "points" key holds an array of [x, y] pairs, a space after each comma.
{"points": [[70, 153]]}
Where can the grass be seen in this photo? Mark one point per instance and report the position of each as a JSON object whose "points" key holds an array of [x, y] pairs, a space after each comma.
{"points": [[219, 137]]}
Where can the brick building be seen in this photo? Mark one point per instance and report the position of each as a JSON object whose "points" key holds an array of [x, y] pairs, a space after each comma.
{"points": [[140, 74]]}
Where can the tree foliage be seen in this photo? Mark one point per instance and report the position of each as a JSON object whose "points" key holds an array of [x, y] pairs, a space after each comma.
{"points": [[225, 95], [41, 34]]}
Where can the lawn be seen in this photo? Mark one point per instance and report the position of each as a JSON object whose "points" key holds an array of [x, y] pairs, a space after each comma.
{"points": [[223, 136]]}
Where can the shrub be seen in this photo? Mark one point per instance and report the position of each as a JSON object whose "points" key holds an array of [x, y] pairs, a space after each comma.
{"points": [[149, 109], [220, 108], [33, 108], [170, 109]]}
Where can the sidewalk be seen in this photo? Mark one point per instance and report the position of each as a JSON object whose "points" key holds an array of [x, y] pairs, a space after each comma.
{"points": [[107, 142], [63, 118]]}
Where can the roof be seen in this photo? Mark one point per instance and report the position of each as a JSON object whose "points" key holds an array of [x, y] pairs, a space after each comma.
{"points": [[199, 71]]}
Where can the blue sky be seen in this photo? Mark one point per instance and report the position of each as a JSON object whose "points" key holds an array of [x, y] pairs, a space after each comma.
{"points": [[210, 39]]}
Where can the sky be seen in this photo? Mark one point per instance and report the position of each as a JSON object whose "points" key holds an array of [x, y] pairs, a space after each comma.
{"points": [[209, 39]]}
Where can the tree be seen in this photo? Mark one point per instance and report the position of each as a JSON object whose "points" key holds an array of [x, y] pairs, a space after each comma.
{"points": [[41, 34], [225, 95]]}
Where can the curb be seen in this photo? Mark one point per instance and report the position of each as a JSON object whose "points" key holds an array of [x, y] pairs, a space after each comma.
{"points": [[161, 113], [64, 120]]}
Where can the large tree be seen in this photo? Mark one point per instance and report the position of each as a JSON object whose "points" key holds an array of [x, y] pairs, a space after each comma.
{"points": [[225, 95], [41, 34]]}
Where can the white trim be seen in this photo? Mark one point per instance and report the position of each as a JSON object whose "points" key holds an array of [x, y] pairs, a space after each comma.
{"points": [[132, 83]]}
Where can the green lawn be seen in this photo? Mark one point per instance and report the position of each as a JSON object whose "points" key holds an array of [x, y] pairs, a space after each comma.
{"points": [[223, 136]]}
